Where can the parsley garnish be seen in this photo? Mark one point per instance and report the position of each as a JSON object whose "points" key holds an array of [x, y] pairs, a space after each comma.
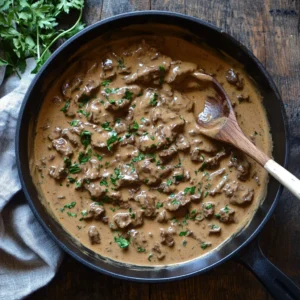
{"points": [[103, 182], [128, 95], [113, 138], [153, 100], [159, 205], [140, 249], [72, 214], [73, 169], [85, 138], [123, 243], [183, 233], [83, 112], [66, 106], [106, 127], [84, 157], [140, 157], [190, 190], [27, 27], [175, 202], [106, 82], [74, 123]]}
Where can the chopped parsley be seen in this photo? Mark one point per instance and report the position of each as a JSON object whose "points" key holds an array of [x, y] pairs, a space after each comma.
{"points": [[111, 91], [120, 61], [98, 156], [140, 157], [226, 209], [74, 215], [140, 249], [71, 179], [83, 112], [84, 99], [150, 256], [183, 233], [159, 205], [85, 138], [179, 164], [128, 95], [84, 157], [123, 243], [73, 169], [178, 177], [184, 242], [66, 107], [206, 194], [74, 123], [162, 72], [153, 100], [103, 183], [84, 212], [106, 126], [106, 82], [117, 176], [190, 190], [113, 138], [70, 205], [175, 202], [209, 206], [134, 127], [169, 182], [204, 245]]}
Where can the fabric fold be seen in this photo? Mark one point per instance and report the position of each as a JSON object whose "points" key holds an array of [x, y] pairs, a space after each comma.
{"points": [[29, 258]]}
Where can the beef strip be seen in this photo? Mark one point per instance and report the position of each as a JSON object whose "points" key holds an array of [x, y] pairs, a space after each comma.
{"points": [[94, 235], [234, 79], [167, 236], [62, 147], [147, 202]]}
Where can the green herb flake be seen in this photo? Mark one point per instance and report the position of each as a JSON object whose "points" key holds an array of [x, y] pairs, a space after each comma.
{"points": [[74, 215], [113, 138], [153, 100], [141, 249], [183, 233], [103, 183], [162, 72], [71, 179], [123, 243], [66, 107], [150, 256], [184, 242], [84, 212], [226, 209], [106, 82], [204, 245], [73, 169], [140, 157], [83, 112], [169, 182], [70, 205], [209, 206], [189, 190], [175, 202], [84, 157], [159, 205], [74, 123], [85, 138], [128, 95]]}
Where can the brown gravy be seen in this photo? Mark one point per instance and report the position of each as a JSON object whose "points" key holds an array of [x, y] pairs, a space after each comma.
{"points": [[121, 163]]}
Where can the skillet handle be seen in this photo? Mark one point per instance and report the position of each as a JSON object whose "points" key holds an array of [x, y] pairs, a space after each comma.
{"points": [[277, 283]]}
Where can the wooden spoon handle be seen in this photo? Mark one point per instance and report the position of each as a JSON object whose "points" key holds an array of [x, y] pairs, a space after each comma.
{"points": [[286, 178]]}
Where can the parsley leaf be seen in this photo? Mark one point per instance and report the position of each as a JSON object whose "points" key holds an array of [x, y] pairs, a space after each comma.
{"points": [[153, 100], [123, 243], [190, 190], [85, 138]]}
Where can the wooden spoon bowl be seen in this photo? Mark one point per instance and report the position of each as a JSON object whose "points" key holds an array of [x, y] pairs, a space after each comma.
{"points": [[218, 121]]}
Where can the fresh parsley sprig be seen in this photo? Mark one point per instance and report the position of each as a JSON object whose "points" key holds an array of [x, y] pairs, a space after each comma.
{"points": [[28, 28]]}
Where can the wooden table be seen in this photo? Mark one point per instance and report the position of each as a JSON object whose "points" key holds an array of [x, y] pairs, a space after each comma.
{"points": [[271, 29]]}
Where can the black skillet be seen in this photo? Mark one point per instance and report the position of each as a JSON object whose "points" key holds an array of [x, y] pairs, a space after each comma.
{"points": [[278, 284]]}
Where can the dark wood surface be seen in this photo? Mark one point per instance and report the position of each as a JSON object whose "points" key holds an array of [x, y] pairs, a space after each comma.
{"points": [[271, 29]]}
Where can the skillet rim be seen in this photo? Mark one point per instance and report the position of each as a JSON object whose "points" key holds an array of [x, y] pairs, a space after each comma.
{"points": [[151, 13]]}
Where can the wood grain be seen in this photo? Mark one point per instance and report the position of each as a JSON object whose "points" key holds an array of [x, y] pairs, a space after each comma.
{"points": [[269, 28]]}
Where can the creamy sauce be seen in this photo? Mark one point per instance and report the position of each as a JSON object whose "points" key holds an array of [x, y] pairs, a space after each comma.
{"points": [[121, 162]]}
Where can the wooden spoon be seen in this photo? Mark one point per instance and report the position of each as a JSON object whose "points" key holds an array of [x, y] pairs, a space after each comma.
{"points": [[218, 121]]}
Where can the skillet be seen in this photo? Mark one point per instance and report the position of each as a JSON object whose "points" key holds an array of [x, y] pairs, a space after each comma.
{"points": [[278, 284]]}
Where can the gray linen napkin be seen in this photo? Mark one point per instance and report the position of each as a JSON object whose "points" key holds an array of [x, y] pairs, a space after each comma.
{"points": [[28, 257]]}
